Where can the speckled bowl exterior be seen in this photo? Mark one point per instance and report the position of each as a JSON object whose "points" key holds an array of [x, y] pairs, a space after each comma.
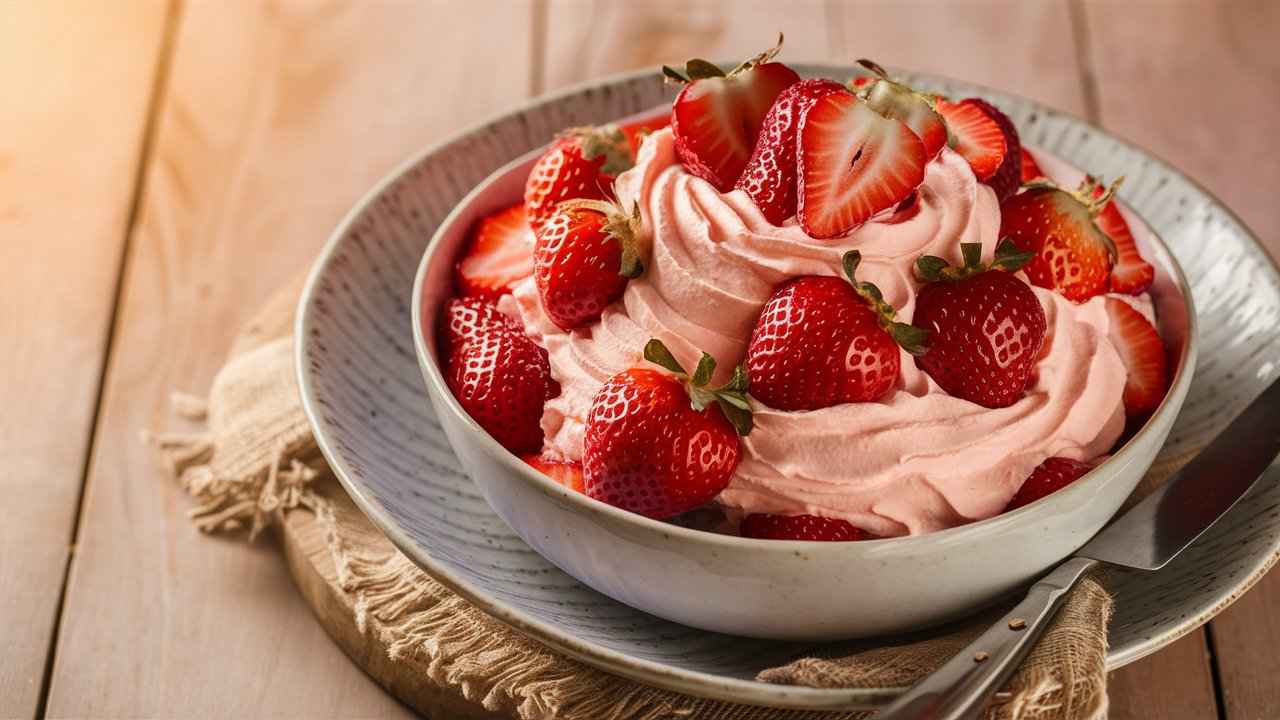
{"points": [[361, 386]]}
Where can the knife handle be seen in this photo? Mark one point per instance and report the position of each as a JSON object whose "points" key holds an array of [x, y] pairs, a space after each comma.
{"points": [[959, 689]]}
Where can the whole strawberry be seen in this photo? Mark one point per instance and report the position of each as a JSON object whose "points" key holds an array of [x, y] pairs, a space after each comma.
{"points": [[582, 258], [823, 341], [580, 165], [801, 527], [770, 176], [469, 318], [660, 444], [985, 326], [502, 378], [1049, 477], [1072, 255], [717, 117]]}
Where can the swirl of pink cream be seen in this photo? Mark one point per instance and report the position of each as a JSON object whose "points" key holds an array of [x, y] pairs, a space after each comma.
{"points": [[915, 461]]}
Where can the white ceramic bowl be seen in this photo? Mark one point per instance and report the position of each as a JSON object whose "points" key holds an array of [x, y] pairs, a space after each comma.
{"points": [[787, 589]]}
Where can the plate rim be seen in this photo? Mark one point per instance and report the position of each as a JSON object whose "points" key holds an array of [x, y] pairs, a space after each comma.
{"points": [[656, 674]]}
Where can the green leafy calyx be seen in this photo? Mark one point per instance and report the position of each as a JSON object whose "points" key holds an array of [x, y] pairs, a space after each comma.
{"points": [[605, 141], [1008, 258], [627, 229], [913, 339], [731, 397], [699, 69]]}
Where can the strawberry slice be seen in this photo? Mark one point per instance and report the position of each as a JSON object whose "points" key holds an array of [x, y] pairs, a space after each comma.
{"points": [[568, 474], [901, 102], [498, 255], [1049, 477], [1030, 170], [800, 527], [854, 162], [1143, 354], [770, 176], [636, 132], [977, 135], [1131, 275], [717, 116]]}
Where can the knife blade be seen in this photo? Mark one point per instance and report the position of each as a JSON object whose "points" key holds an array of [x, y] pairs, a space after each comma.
{"points": [[1155, 530]]}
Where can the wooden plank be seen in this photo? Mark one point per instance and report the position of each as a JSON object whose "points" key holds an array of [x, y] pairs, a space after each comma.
{"points": [[1173, 684], [1200, 88], [1025, 48], [77, 82], [276, 117], [593, 38]]}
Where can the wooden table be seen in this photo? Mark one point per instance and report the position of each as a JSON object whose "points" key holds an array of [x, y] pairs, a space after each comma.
{"points": [[165, 165]]}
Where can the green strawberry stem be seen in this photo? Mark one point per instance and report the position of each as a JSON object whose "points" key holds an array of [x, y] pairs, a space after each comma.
{"points": [[731, 397], [699, 69], [626, 229], [1008, 258], [605, 141], [909, 337]]}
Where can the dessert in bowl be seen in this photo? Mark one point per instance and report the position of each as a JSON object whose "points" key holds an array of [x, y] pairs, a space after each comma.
{"points": [[921, 462]]}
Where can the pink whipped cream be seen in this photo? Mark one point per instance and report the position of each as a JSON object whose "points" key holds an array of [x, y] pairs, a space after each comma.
{"points": [[917, 460]]}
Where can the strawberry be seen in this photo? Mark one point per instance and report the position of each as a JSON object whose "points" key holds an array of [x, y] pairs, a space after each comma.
{"points": [[1072, 256], [502, 378], [661, 444], [637, 131], [568, 474], [1143, 354], [854, 162], [858, 83], [823, 341], [770, 176], [1031, 171], [580, 165], [498, 255], [900, 102], [1049, 477], [987, 139], [1131, 275], [800, 527], [985, 325], [584, 255], [717, 116], [466, 319]]}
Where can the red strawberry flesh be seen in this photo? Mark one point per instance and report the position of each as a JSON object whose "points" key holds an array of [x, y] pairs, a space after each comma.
{"points": [[854, 163], [1139, 346], [978, 137], [498, 255], [568, 474]]}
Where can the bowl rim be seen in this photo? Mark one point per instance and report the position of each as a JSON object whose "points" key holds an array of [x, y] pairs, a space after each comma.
{"points": [[1096, 476], [695, 683]]}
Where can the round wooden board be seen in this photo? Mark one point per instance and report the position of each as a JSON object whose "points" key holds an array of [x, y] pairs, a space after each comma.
{"points": [[306, 547]]}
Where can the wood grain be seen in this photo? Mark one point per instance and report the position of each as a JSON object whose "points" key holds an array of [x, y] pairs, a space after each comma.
{"points": [[71, 138], [1173, 684], [1200, 87], [592, 38], [1025, 48], [277, 116]]}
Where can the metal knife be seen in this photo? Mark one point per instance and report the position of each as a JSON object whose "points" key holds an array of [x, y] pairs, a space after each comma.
{"points": [[1146, 537]]}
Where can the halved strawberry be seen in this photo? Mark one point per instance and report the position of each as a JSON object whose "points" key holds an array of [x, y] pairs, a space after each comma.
{"points": [[1030, 170], [1143, 354], [568, 474], [854, 162], [977, 136], [770, 176], [717, 116], [800, 527], [900, 102], [1131, 275], [498, 255], [1049, 477], [580, 165], [636, 132]]}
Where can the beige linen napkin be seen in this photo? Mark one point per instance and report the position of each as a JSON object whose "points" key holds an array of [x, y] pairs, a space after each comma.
{"points": [[257, 461]]}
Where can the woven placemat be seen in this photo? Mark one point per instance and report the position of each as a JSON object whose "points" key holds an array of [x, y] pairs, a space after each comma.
{"points": [[254, 465]]}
